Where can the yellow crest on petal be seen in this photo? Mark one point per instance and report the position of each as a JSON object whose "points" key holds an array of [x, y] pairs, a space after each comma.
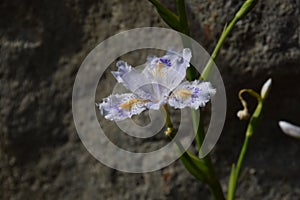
{"points": [[184, 93], [130, 103]]}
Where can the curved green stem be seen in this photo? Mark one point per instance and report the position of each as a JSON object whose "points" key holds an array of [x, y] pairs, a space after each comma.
{"points": [[253, 124]]}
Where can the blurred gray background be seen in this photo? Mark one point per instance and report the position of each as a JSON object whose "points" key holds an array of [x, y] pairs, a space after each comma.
{"points": [[42, 44]]}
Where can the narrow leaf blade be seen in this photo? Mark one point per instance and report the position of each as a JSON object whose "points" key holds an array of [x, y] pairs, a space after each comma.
{"points": [[167, 15]]}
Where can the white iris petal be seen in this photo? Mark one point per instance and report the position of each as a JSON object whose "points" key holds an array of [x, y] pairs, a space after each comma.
{"points": [[132, 80], [191, 94], [151, 87], [121, 106], [170, 69]]}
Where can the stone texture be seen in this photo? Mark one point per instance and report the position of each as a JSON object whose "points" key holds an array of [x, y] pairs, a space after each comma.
{"points": [[42, 44]]}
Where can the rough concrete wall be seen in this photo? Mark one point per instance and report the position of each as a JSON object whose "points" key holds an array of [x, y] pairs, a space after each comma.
{"points": [[42, 44]]}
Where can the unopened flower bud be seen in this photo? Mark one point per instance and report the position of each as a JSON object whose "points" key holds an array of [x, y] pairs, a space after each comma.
{"points": [[266, 89], [246, 7], [243, 114], [290, 129], [169, 131]]}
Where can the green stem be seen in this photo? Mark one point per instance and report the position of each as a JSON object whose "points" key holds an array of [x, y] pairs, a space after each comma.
{"points": [[245, 8], [213, 182], [241, 157], [225, 33], [253, 124], [198, 128], [169, 123], [191, 71], [216, 189], [170, 131], [212, 179], [237, 170]]}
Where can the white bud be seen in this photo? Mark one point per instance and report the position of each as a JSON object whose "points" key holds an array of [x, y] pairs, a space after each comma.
{"points": [[266, 88], [290, 129], [243, 114]]}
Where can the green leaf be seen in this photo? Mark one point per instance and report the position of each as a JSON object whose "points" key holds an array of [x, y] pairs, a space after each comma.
{"points": [[167, 15], [182, 17], [202, 169], [195, 166]]}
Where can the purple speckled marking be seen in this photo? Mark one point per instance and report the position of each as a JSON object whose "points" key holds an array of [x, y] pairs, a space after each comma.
{"points": [[166, 61]]}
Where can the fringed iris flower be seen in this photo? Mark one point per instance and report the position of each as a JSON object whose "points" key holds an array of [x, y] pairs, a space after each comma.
{"points": [[161, 82]]}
